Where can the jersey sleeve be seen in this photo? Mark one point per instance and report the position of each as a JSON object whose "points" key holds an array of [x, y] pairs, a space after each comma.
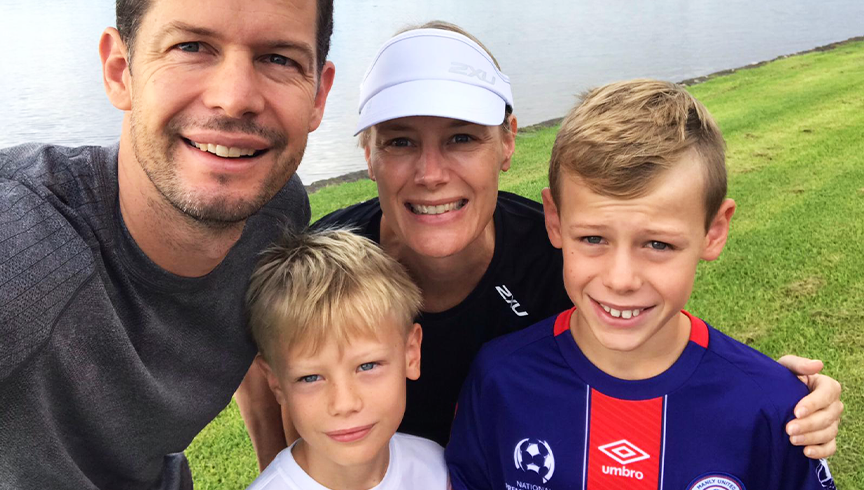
{"points": [[791, 470], [466, 455]]}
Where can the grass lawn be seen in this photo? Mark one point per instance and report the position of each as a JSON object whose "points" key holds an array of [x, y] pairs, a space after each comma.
{"points": [[791, 279]]}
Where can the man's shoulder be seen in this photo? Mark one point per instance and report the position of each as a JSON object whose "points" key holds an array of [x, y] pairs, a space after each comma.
{"points": [[769, 383], [43, 241], [53, 166], [291, 203]]}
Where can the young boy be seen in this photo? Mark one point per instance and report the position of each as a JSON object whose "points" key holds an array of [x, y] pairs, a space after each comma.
{"points": [[332, 315], [626, 390]]}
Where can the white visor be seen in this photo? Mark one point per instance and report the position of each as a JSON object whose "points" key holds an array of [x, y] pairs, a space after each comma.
{"points": [[433, 72]]}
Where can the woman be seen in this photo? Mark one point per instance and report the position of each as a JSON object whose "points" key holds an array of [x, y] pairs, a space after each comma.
{"points": [[437, 129]]}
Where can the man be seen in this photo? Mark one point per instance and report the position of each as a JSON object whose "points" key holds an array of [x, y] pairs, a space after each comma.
{"points": [[122, 269]]}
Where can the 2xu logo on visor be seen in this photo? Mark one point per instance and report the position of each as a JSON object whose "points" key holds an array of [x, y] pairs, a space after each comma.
{"points": [[624, 438], [470, 71]]}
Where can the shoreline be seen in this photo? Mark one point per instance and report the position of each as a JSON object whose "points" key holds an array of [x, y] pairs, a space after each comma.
{"points": [[362, 174]]}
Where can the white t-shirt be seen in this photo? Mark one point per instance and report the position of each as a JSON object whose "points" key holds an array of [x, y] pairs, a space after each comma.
{"points": [[415, 463]]}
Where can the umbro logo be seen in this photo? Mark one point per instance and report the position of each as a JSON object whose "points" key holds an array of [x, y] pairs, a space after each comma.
{"points": [[508, 297], [624, 452]]}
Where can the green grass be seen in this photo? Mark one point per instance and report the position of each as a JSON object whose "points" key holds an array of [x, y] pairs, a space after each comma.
{"points": [[791, 279]]}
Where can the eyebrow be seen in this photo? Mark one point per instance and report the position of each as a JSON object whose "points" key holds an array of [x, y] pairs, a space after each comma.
{"points": [[182, 27], [646, 231]]}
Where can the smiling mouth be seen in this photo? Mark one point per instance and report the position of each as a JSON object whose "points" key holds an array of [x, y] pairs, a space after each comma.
{"points": [[435, 210], [225, 151], [623, 313]]}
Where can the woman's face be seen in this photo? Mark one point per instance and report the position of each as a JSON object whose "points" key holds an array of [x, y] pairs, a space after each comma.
{"points": [[437, 179]]}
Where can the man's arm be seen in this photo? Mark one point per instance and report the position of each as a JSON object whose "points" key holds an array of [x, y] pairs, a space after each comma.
{"points": [[817, 414], [263, 417], [43, 262]]}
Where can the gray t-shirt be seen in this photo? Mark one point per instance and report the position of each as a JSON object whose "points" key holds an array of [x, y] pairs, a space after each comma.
{"points": [[109, 364]]}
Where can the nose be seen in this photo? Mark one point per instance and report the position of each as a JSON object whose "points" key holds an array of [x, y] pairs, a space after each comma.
{"points": [[345, 399], [431, 169], [234, 87], [621, 275]]}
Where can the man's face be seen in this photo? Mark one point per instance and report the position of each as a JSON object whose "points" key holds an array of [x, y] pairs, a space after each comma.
{"points": [[629, 264], [224, 94]]}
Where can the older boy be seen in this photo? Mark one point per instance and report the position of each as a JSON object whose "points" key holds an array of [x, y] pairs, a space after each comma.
{"points": [[332, 315], [627, 390]]}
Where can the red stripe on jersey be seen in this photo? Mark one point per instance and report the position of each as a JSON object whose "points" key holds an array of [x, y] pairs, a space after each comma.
{"points": [[698, 330], [562, 323], [624, 443]]}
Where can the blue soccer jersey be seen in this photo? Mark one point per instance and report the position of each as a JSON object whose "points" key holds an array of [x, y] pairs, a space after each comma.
{"points": [[535, 414]]}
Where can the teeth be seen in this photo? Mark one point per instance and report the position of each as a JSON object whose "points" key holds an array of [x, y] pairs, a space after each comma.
{"points": [[625, 314], [224, 151], [440, 209]]}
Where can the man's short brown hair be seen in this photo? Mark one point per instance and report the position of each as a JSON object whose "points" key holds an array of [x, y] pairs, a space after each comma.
{"points": [[331, 284], [621, 136]]}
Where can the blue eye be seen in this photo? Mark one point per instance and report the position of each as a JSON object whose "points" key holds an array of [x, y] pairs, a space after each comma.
{"points": [[593, 240], [656, 245], [309, 379], [367, 366], [192, 47], [277, 59], [399, 142]]}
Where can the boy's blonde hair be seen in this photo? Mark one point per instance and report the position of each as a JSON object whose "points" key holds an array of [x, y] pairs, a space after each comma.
{"points": [[621, 136], [328, 284]]}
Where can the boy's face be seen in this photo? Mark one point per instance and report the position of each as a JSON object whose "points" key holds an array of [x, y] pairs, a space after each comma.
{"points": [[346, 403], [629, 265]]}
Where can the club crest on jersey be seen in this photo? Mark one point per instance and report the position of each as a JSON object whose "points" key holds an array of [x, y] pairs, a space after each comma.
{"points": [[716, 481], [824, 475], [507, 296], [534, 455]]}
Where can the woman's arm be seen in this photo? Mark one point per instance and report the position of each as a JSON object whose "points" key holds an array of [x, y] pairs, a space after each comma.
{"points": [[817, 414], [262, 415]]}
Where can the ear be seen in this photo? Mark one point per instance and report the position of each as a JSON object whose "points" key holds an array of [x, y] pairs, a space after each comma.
{"points": [[412, 352], [509, 144], [553, 220], [325, 83], [272, 379], [115, 69], [718, 231]]}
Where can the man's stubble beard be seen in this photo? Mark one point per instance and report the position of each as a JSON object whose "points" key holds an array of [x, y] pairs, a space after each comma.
{"points": [[156, 158]]}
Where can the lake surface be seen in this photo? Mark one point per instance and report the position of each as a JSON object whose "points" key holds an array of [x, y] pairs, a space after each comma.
{"points": [[51, 85]]}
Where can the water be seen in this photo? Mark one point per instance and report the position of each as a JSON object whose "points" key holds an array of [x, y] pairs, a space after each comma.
{"points": [[51, 86]]}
